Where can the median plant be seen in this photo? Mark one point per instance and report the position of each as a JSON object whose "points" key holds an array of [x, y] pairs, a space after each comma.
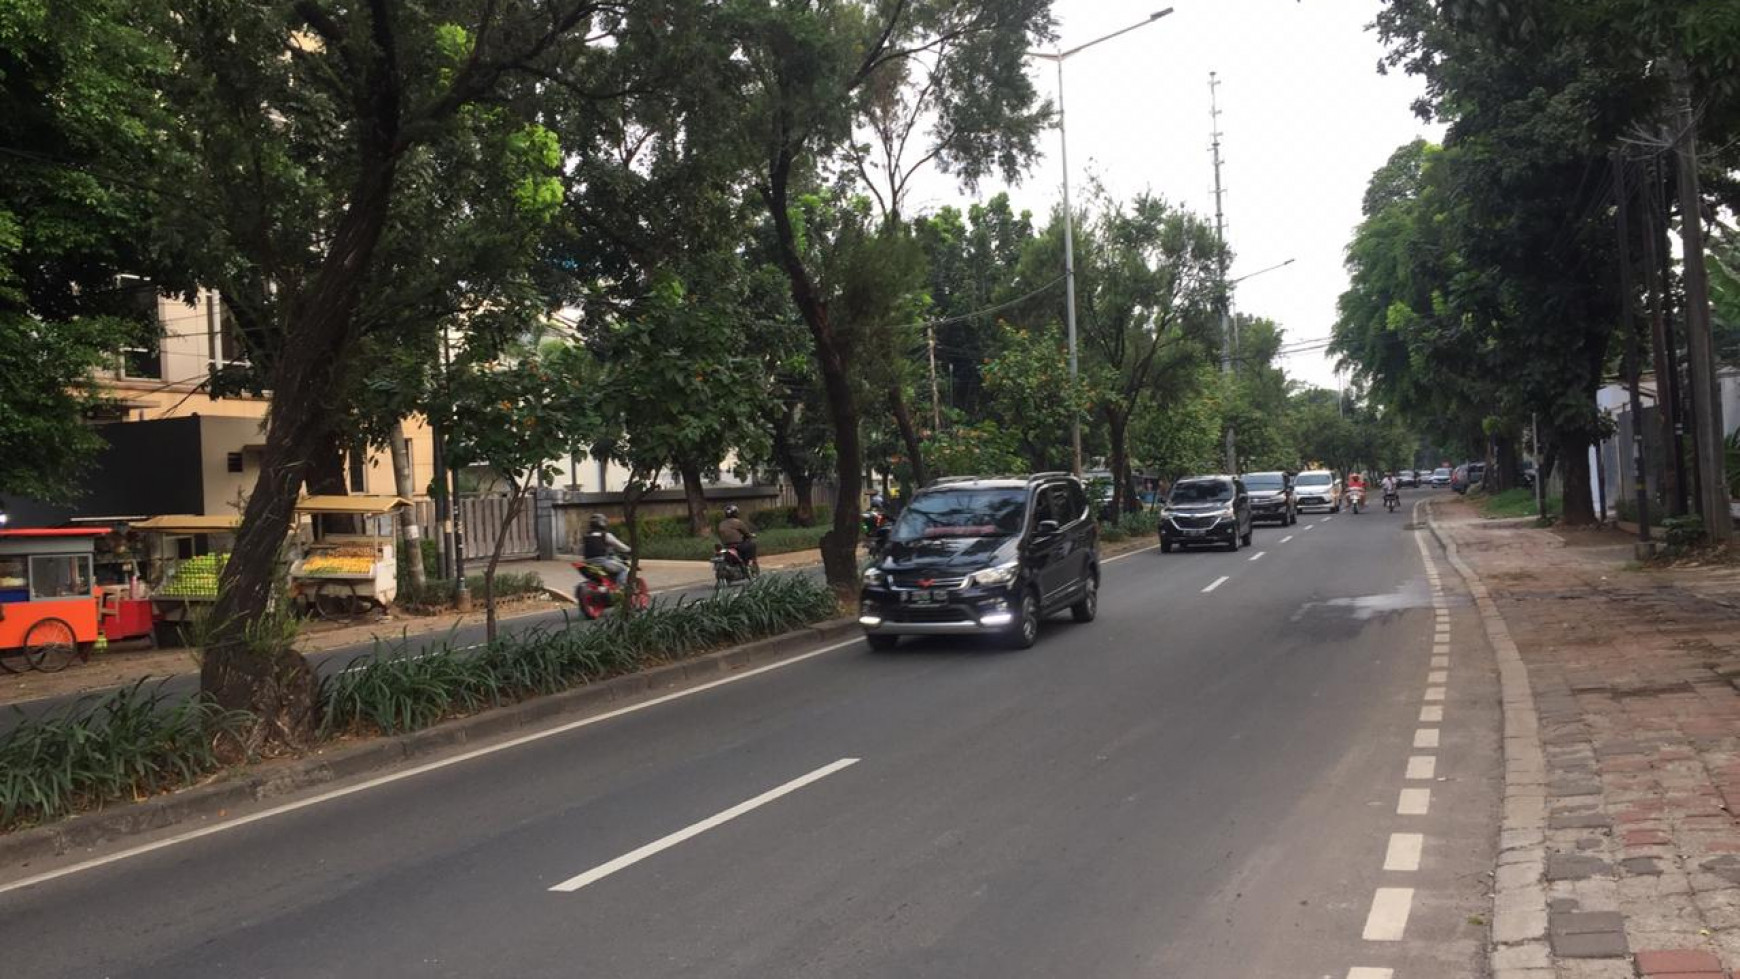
{"points": [[394, 691], [129, 745]]}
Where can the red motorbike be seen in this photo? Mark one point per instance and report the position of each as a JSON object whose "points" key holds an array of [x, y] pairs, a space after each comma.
{"points": [[598, 591]]}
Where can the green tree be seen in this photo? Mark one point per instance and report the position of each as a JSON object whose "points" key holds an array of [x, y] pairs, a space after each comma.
{"points": [[77, 115], [805, 75], [516, 415], [1030, 398]]}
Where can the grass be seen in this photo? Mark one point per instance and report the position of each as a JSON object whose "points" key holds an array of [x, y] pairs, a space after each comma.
{"points": [[779, 540], [131, 744], [141, 741], [437, 593], [1142, 523], [1518, 502], [393, 692]]}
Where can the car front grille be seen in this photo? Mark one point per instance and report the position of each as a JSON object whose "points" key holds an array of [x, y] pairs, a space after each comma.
{"points": [[931, 615], [912, 579], [1184, 522]]}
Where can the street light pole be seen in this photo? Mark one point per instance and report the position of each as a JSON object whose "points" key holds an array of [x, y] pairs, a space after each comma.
{"points": [[1069, 219]]}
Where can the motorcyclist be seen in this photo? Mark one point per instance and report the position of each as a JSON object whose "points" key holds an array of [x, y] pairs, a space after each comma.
{"points": [[1389, 484], [600, 547], [737, 534], [1356, 488]]}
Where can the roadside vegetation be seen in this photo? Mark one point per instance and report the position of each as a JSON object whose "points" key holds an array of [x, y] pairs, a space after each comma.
{"points": [[1518, 502], [142, 741]]}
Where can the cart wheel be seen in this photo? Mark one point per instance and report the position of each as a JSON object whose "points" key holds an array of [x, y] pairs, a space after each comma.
{"points": [[51, 645], [15, 659], [334, 604]]}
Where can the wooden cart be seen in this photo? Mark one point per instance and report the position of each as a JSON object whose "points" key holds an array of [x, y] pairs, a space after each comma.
{"points": [[187, 556], [349, 566], [48, 598]]}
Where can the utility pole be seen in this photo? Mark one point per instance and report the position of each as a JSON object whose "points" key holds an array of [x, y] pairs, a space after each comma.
{"points": [[1226, 351], [1633, 350], [1666, 355], [1700, 346], [935, 394]]}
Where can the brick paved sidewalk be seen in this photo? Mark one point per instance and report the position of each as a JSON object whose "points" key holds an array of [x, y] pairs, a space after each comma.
{"points": [[1634, 678]]}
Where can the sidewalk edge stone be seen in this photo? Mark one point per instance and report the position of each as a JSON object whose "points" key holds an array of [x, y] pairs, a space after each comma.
{"points": [[1519, 919]]}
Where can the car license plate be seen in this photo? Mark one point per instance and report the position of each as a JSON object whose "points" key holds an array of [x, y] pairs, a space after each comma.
{"points": [[1192, 533], [924, 597]]}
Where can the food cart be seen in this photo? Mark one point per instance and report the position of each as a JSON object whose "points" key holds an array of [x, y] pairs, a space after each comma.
{"points": [[48, 599], [347, 564], [186, 555]]}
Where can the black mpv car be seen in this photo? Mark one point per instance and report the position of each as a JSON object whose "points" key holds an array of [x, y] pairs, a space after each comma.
{"points": [[1272, 497], [1206, 510], [976, 556]]}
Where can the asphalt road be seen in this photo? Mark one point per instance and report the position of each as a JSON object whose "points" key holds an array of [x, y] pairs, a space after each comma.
{"points": [[1219, 780]]}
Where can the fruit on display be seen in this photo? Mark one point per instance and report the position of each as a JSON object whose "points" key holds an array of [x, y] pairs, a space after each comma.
{"points": [[196, 577], [332, 564]]}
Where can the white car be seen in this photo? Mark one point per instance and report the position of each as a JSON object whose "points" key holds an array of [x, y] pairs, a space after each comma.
{"points": [[1317, 489], [1441, 476]]}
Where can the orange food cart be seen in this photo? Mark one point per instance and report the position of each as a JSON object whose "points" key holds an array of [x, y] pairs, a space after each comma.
{"points": [[48, 598]]}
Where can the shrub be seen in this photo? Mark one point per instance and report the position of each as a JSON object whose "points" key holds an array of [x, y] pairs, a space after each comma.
{"points": [[1141, 523], [1683, 534], [768, 542], [394, 692], [135, 742], [437, 593]]}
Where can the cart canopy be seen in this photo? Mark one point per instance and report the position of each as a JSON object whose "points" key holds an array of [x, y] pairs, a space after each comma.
{"points": [[190, 523], [363, 505]]}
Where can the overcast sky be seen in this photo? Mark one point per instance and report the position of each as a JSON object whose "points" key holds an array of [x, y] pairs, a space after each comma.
{"points": [[1305, 119]]}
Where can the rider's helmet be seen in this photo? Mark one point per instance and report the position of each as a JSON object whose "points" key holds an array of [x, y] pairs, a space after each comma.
{"points": [[730, 510], [598, 521], [875, 501]]}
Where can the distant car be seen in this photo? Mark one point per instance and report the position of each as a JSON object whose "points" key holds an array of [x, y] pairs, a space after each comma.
{"points": [[1476, 473], [1409, 478], [1459, 479], [1441, 477], [1206, 510], [1272, 497], [1317, 489]]}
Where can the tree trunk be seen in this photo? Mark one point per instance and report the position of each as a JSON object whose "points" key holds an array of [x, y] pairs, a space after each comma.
{"points": [[275, 682], [803, 488], [1578, 500], [516, 503], [1501, 475], [1117, 429], [695, 497], [908, 433], [839, 544], [410, 534]]}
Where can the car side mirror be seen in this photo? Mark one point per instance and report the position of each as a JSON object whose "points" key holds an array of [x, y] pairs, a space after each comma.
{"points": [[1047, 527]]}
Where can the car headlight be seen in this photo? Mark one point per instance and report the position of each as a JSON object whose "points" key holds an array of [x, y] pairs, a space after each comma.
{"points": [[1000, 575], [873, 576], [1225, 514]]}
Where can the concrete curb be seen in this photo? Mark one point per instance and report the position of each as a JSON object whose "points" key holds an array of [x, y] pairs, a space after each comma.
{"points": [[1519, 903], [213, 800]]}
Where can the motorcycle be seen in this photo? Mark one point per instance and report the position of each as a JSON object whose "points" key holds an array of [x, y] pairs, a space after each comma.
{"points": [[1391, 501], [876, 525], [598, 591], [1356, 498], [729, 566]]}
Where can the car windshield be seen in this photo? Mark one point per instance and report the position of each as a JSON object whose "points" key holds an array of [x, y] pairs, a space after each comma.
{"points": [[1265, 481], [962, 513], [1201, 491], [1440, 472], [1313, 479]]}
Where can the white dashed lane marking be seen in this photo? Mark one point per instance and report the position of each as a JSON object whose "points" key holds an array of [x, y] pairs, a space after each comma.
{"points": [[1257, 555], [1426, 737], [1422, 768], [1366, 972], [1216, 583], [1434, 693], [1414, 802], [1286, 538], [1389, 914], [1403, 855], [1432, 714]]}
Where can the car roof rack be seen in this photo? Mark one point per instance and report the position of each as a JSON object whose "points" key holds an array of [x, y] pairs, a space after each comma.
{"points": [[983, 477]]}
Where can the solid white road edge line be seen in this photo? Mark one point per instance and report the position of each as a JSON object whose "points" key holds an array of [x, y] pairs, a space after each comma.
{"points": [[1120, 557], [1216, 583], [1388, 920], [633, 857], [412, 772], [1403, 855]]}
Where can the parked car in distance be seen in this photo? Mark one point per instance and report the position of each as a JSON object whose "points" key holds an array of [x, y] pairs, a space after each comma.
{"points": [[1408, 477], [1272, 499], [1476, 474], [1459, 478], [982, 556], [1441, 477], [1317, 489], [1206, 510]]}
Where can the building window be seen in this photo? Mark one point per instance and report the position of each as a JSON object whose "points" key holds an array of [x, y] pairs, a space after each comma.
{"points": [[226, 334], [359, 476], [234, 462], [142, 356]]}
